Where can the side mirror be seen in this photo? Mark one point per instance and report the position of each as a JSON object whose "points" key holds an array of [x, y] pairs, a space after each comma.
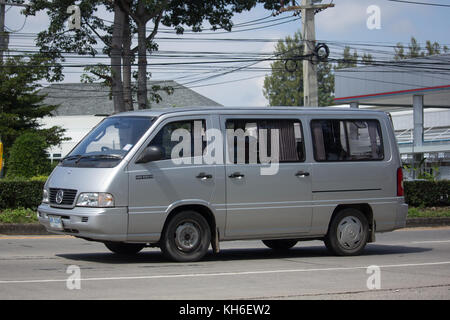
{"points": [[151, 153]]}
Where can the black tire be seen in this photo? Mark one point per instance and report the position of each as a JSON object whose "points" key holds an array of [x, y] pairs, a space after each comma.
{"points": [[124, 248], [348, 233], [280, 245], [186, 237]]}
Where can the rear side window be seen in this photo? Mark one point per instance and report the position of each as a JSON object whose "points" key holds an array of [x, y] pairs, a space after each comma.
{"points": [[347, 140], [244, 138]]}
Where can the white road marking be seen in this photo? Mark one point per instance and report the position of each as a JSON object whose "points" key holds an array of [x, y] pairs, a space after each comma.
{"points": [[219, 274], [7, 237], [431, 241]]}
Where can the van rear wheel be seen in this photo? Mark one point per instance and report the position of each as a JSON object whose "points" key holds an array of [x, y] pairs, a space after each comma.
{"points": [[280, 245], [186, 237], [348, 233], [124, 248]]}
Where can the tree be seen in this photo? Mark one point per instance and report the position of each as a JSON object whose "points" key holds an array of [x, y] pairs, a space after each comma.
{"points": [[130, 17], [286, 88], [58, 40], [177, 14], [415, 50], [367, 59], [352, 60], [21, 105], [348, 60], [28, 157]]}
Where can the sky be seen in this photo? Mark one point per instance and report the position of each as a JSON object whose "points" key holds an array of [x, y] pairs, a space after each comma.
{"points": [[346, 23]]}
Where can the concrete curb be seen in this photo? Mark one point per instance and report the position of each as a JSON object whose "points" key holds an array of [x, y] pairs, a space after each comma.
{"points": [[427, 222], [23, 229], [37, 229]]}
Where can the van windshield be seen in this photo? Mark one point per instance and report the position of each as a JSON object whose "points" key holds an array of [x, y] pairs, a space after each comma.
{"points": [[107, 144]]}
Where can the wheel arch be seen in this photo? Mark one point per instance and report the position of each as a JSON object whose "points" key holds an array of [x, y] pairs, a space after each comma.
{"points": [[365, 209], [203, 210]]}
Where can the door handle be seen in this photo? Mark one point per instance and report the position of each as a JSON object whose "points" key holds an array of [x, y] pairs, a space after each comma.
{"points": [[204, 176], [302, 174], [236, 175]]}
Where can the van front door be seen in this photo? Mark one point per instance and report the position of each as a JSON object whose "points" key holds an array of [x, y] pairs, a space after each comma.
{"points": [[157, 186], [266, 199]]}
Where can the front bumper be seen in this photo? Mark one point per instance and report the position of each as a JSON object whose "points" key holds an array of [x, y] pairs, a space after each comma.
{"points": [[101, 224]]}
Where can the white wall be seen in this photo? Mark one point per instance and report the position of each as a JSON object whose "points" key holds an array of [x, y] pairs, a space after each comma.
{"points": [[76, 128], [403, 120]]}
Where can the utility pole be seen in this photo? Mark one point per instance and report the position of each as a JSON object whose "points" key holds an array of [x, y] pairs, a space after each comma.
{"points": [[4, 36], [310, 88], [308, 9]]}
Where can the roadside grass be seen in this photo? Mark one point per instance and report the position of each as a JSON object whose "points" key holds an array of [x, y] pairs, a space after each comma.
{"points": [[431, 212], [19, 215]]}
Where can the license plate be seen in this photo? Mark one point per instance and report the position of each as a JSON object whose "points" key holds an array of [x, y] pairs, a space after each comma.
{"points": [[55, 222]]}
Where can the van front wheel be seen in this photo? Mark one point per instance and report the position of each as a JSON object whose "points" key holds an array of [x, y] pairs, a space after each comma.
{"points": [[348, 233], [186, 237]]}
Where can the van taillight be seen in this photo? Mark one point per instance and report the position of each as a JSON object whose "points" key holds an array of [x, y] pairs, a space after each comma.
{"points": [[400, 191]]}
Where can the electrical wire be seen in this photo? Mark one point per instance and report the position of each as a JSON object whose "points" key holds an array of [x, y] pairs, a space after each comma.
{"points": [[421, 3]]}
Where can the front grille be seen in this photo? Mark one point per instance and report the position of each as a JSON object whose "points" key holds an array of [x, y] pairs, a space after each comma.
{"points": [[68, 196]]}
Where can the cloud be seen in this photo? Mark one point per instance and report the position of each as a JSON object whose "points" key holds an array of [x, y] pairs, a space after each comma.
{"points": [[345, 16], [403, 26], [242, 92], [351, 16]]}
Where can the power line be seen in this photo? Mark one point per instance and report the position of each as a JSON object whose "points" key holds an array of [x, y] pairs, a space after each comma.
{"points": [[237, 25], [179, 87], [222, 73], [428, 65], [422, 3]]}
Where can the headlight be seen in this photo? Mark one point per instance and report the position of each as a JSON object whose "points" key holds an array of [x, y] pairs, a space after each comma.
{"points": [[95, 199], [45, 196]]}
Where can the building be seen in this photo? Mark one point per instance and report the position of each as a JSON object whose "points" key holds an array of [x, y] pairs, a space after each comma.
{"points": [[82, 106], [416, 92]]}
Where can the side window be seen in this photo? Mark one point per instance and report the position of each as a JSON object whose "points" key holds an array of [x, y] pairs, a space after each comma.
{"points": [[244, 138], [347, 140], [167, 138]]}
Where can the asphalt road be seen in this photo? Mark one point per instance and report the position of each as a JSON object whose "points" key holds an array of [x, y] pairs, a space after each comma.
{"points": [[414, 264]]}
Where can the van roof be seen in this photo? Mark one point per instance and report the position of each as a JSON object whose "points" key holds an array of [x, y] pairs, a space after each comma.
{"points": [[245, 110]]}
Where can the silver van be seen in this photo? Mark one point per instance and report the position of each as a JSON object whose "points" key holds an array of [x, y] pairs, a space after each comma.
{"points": [[185, 179]]}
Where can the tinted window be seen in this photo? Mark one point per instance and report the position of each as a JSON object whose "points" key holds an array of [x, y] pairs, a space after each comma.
{"points": [[245, 136], [347, 140], [168, 137]]}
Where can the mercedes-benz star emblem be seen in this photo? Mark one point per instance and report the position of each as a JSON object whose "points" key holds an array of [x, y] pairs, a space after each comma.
{"points": [[59, 196]]}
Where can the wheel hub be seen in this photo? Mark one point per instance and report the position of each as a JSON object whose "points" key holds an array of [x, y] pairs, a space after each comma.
{"points": [[350, 232], [187, 236]]}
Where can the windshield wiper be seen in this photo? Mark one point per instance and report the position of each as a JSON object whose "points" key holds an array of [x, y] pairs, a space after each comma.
{"points": [[99, 156], [76, 156]]}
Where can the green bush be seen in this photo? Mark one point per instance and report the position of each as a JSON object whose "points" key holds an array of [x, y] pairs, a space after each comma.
{"points": [[41, 178], [19, 215], [16, 193], [428, 212], [27, 157], [427, 193], [20, 193]]}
